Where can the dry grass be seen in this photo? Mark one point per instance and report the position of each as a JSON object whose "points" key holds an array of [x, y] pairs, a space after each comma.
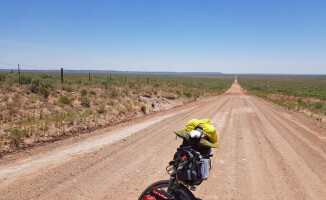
{"points": [[42, 109]]}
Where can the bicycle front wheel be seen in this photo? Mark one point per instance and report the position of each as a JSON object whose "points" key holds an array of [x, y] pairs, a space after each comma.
{"points": [[182, 193]]}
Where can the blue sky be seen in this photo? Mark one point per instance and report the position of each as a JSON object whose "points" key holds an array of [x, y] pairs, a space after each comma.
{"points": [[181, 35]]}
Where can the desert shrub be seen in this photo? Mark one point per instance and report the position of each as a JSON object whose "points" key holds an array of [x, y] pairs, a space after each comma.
{"points": [[84, 101], [47, 84], [16, 136], [65, 100], [129, 107], [300, 100], [2, 76], [83, 92], [38, 83], [44, 92], [12, 78], [101, 109], [69, 89], [111, 103], [131, 84], [17, 133], [44, 76], [318, 105], [114, 94], [25, 79], [34, 86], [187, 93]]}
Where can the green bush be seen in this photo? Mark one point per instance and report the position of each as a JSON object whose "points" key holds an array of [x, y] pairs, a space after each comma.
{"points": [[114, 94], [101, 109], [38, 83], [25, 79], [83, 92], [12, 78], [69, 89], [17, 133], [2, 76], [300, 100], [188, 94], [44, 92], [318, 105], [65, 100]]}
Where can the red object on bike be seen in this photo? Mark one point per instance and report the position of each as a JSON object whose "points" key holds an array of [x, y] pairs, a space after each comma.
{"points": [[149, 197], [159, 194], [183, 157]]}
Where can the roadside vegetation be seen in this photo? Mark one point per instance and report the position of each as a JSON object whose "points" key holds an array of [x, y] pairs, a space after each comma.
{"points": [[40, 108], [306, 94]]}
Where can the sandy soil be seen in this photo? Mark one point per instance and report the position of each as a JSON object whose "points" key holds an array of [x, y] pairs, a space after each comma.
{"points": [[265, 152]]}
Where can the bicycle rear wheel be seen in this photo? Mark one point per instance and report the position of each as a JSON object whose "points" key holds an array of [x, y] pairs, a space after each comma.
{"points": [[182, 193]]}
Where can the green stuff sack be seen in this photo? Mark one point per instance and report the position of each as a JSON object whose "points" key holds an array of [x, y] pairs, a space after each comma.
{"points": [[208, 128], [182, 134], [185, 135]]}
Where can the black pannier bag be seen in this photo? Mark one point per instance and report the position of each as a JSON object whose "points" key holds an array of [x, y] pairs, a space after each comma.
{"points": [[186, 171], [195, 170]]}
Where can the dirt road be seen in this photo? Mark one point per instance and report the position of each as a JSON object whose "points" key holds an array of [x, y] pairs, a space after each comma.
{"points": [[265, 152]]}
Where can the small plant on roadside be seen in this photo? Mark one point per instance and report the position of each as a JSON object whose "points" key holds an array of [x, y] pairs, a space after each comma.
{"points": [[114, 94], [83, 92], [69, 89], [300, 100], [318, 105], [44, 92], [65, 100], [111, 103], [188, 94], [17, 133], [84, 101], [129, 107], [101, 109], [178, 92]]}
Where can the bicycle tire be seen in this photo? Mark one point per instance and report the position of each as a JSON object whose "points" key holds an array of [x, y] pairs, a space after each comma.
{"points": [[182, 193]]}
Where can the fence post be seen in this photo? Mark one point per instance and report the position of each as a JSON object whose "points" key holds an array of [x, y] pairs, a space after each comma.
{"points": [[89, 76], [125, 79], [147, 80], [19, 74], [61, 75]]}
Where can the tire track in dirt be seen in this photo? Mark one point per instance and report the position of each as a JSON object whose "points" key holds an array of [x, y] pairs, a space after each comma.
{"points": [[298, 168], [310, 152]]}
